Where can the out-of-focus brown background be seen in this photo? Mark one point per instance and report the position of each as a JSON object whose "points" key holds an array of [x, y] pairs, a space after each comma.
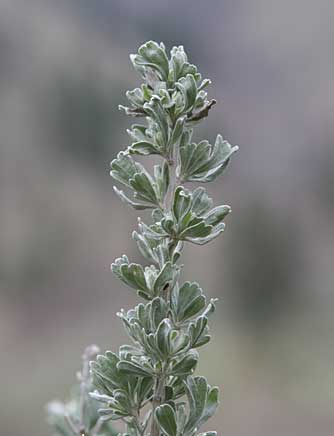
{"points": [[64, 68]]}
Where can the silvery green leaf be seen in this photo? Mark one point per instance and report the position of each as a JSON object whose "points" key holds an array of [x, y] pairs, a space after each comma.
{"points": [[146, 246], [185, 365], [198, 230], [199, 332], [196, 390], [131, 368], [216, 215], [165, 251], [205, 240], [210, 308], [106, 376], [122, 402], [192, 156], [203, 402], [143, 185], [154, 231], [148, 190], [187, 301], [162, 336], [157, 215], [112, 414], [143, 148], [131, 274], [177, 251], [151, 273], [178, 59], [192, 219], [162, 180], [154, 56], [166, 419], [138, 132], [180, 66], [144, 388], [101, 397], [125, 350], [181, 411], [167, 224], [167, 101], [201, 202], [186, 136], [145, 139], [134, 204], [176, 383], [177, 131], [210, 405], [188, 89], [157, 311], [136, 97], [201, 100], [155, 110], [204, 162], [159, 90], [143, 323], [181, 203], [143, 295], [204, 84], [123, 168], [179, 342], [165, 277], [169, 393]]}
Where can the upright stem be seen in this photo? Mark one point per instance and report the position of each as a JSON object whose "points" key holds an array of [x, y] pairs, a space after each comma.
{"points": [[173, 179], [171, 188], [159, 388]]}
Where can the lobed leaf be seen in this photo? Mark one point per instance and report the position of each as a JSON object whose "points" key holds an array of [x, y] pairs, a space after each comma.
{"points": [[132, 368], [152, 55], [203, 162], [187, 301]]}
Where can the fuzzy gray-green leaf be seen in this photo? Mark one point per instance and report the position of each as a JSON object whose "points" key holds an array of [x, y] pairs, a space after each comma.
{"points": [[166, 418]]}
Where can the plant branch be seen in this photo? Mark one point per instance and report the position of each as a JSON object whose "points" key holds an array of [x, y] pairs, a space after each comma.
{"points": [[159, 388], [167, 330], [158, 398]]}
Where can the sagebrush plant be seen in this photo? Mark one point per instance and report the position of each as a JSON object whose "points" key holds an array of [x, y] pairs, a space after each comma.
{"points": [[150, 385]]}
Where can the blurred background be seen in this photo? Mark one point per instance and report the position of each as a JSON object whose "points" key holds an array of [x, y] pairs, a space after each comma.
{"points": [[64, 68]]}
